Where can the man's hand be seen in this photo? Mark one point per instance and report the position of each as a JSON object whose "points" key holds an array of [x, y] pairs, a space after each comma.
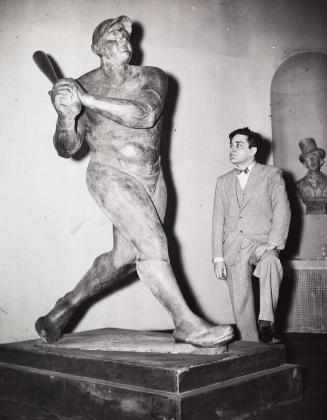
{"points": [[65, 99], [220, 270], [263, 248]]}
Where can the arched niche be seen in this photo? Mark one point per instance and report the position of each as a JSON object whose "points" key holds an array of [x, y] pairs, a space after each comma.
{"points": [[299, 110]]}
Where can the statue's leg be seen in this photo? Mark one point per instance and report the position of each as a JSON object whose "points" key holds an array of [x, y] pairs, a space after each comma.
{"points": [[107, 270], [136, 215]]}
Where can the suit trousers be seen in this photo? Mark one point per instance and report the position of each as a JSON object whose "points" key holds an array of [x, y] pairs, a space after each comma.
{"points": [[239, 278]]}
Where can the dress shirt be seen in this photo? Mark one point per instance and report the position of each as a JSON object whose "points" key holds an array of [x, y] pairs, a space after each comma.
{"points": [[243, 177]]}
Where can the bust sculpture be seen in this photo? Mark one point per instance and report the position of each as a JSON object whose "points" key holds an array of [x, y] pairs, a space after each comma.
{"points": [[312, 189], [117, 110]]}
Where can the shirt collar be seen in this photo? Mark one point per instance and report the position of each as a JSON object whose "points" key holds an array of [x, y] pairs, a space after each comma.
{"points": [[249, 167]]}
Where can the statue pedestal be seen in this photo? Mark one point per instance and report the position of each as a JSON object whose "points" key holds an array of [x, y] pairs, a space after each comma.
{"points": [[101, 384]]}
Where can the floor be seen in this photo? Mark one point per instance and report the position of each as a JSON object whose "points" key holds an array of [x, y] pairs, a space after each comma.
{"points": [[307, 350], [310, 352]]}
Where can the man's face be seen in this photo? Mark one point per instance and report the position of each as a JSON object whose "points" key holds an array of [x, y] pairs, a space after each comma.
{"points": [[115, 43], [313, 162], [240, 153]]}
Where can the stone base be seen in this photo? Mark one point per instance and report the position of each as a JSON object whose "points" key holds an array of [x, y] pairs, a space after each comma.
{"points": [[99, 384]]}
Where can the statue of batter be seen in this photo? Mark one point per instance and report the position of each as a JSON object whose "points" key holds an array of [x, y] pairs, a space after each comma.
{"points": [[117, 109]]}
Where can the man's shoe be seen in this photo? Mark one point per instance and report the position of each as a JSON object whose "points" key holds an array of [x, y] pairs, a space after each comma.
{"points": [[268, 335]]}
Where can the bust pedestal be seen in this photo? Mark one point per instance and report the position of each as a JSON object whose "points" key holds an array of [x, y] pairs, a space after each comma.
{"points": [[303, 295], [310, 238]]}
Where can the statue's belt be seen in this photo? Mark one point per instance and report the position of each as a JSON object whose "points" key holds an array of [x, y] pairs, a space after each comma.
{"points": [[147, 168], [147, 174], [144, 169]]}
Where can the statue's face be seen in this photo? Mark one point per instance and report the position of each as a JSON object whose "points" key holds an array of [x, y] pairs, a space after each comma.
{"points": [[313, 161], [115, 43], [240, 152]]}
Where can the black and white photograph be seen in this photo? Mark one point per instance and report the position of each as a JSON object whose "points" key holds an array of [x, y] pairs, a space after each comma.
{"points": [[163, 224]]}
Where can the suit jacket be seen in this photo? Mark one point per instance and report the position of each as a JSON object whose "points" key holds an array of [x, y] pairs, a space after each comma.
{"points": [[263, 216]]}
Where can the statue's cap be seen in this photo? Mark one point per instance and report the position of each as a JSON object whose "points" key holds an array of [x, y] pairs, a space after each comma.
{"points": [[107, 24], [308, 145]]}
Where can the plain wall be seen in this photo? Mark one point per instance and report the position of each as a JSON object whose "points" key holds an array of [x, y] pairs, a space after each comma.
{"points": [[221, 56]]}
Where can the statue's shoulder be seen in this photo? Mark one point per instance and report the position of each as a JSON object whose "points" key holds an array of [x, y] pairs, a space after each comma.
{"points": [[150, 72], [89, 78], [323, 176], [299, 184]]}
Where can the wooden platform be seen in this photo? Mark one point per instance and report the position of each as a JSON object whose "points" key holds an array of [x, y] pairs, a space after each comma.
{"points": [[118, 385]]}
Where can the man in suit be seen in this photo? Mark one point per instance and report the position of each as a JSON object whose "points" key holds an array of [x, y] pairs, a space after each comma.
{"points": [[250, 225]]}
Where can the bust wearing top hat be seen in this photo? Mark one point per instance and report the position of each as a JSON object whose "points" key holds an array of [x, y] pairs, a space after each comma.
{"points": [[312, 188]]}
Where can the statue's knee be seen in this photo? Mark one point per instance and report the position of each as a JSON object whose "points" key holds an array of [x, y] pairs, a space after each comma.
{"points": [[154, 249], [120, 259]]}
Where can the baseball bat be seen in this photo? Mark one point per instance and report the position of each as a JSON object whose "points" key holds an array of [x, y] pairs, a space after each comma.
{"points": [[44, 64]]}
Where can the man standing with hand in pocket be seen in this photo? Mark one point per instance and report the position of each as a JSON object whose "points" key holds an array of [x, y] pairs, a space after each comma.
{"points": [[250, 226]]}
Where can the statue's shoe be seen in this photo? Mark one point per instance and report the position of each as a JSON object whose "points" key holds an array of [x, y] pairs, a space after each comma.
{"points": [[48, 332], [213, 336]]}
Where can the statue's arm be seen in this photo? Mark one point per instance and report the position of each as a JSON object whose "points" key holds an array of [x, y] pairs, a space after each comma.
{"points": [[69, 134], [72, 121], [140, 111]]}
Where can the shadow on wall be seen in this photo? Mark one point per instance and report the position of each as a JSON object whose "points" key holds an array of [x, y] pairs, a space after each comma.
{"points": [[264, 150], [136, 39], [172, 199], [295, 232]]}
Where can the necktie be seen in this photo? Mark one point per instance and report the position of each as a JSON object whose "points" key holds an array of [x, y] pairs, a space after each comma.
{"points": [[239, 171]]}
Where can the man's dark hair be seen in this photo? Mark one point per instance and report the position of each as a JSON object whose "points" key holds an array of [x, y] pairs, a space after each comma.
{"points": [[254, 139]]}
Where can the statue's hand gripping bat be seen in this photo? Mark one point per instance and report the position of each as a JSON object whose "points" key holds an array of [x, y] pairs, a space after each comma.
{"points": [[45, 65], [43, 62]]}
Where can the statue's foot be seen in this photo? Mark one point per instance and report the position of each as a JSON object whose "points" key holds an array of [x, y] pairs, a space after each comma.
{"points": [[50, 326], [210, 336], [48, 332]]}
